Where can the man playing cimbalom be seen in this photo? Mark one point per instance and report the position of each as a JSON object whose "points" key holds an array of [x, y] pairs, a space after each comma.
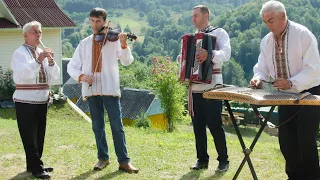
{"points": [[289, 55], [33, 70], [207, 113], [97, 69]]}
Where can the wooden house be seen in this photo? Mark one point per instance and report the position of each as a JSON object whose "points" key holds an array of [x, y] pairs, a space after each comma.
{"points": [[14, 14]]}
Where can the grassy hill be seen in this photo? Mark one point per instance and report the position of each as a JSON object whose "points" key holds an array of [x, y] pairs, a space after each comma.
{"points": [[131, 18], [70, 149]]}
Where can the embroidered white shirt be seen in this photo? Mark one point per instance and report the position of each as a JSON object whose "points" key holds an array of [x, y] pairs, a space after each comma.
{"points": [[26, 71], [106, 82], [302, 58]]}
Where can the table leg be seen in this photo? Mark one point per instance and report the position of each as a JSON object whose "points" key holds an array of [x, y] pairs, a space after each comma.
{"points": [[246, 150]]}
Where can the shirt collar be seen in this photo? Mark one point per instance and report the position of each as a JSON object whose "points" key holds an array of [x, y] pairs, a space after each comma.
{"points": [[30, 47], [204, 29]]}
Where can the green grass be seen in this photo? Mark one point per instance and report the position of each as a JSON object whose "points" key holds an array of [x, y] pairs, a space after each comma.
{"points": [[70, 149], [131, 18]]}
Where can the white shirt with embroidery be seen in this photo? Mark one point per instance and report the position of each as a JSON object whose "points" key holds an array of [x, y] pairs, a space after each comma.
{"points": [[106, 82], [26, 71], [302, 58]]}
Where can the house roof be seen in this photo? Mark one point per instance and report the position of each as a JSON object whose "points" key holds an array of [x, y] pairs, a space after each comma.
{"points": [[155, 107], [134, 102], [71, 89], [4, 23], [47, 12], [65, 74], [83, 105]]}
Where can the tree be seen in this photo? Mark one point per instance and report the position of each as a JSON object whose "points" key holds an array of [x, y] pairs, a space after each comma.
{"points": [[233, 73], [118, 14], [78, 6], [118, 26], [141, 14], [162, 35], [67, 49], [173, 48], [75, 38], [127, 28], [137, 75]]}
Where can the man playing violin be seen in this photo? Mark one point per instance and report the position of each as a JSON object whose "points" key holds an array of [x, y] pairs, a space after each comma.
{"points": [[95, 65]]}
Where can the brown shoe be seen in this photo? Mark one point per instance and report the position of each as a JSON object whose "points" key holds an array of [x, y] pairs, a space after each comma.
{"points": [[128, 167], [101, 164]]}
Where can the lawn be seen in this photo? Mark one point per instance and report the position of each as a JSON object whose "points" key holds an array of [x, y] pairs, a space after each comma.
{"points": [[131, 18], [70, 149]]}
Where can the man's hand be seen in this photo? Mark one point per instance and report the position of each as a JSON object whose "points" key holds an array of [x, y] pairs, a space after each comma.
{"points": [[123, 39], [201, 55], [282, 84], [46, 53], [87, 79], [256, 84]]}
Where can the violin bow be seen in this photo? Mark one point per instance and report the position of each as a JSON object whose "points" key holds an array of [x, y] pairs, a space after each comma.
{"points": [[104, 40]]}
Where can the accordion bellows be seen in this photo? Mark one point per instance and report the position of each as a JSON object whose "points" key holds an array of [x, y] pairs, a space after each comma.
{"points": [[190, 69]]}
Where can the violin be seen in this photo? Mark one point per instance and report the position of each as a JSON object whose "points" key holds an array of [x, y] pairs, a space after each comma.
{"points": [[112, 35], [107, 33]]}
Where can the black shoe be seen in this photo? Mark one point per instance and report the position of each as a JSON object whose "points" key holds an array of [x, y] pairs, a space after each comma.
{"points": [[200, 165], [223, 166], [42, 175], [47, 169]]}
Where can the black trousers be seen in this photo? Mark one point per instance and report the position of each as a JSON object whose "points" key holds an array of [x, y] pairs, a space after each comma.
{"points": [[298, 139], [31, 120], [207, 113]]}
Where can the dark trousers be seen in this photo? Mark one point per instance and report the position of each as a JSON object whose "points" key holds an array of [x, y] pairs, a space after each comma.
{"points": [[31, 120], [298, 139], [208, 113]]}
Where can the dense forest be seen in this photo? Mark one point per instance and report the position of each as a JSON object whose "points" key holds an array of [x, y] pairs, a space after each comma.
{"points": [[168, 20]]}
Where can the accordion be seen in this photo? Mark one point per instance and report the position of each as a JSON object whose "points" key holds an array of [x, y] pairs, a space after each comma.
{"points": [[190, 69]]}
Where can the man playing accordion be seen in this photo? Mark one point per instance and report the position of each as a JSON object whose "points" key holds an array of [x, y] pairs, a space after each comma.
{"points": [[207, 112]]}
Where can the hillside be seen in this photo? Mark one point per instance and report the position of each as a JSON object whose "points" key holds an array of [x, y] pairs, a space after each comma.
{"points": [[160, 24]]}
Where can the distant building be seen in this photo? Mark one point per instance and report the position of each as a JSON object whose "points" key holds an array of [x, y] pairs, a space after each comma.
{"points": [[65, 74], [135, 102], [72, 89]]}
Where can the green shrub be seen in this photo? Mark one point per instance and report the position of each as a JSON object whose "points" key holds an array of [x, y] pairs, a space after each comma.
{"points": [[169, 90], [57, 97], [7, 86], [142, 121]]}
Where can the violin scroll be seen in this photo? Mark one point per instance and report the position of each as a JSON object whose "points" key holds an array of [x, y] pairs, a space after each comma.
{"points": [[132, 36]]}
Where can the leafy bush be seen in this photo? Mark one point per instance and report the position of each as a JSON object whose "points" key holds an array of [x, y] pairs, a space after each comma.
{"points": [[7, 86], [142, 121], [56, 95], [169, 90]]}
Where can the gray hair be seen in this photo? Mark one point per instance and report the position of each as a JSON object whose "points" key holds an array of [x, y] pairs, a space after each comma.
{"points": [[273, 6], [31, 24]]}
